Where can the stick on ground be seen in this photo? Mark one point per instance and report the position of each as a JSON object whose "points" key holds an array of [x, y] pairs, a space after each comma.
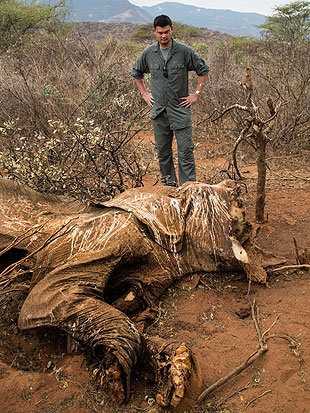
{"points": [[250, 360], [257, 397], [290, 267]]}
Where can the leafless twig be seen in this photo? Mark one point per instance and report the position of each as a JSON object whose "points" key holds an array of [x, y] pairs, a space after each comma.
{"points": [[230, 396], [250, 360], [290, 267], [255, 318], [296, 251], [257, 397], [240, 139], [272, 325], [236, 106]]}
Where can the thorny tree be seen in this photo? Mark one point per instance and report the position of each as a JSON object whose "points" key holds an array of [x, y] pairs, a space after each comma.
{"points": [[254, 131]]}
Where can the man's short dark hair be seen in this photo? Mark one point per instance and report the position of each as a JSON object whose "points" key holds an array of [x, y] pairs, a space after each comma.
{"points": [[162, 21]]}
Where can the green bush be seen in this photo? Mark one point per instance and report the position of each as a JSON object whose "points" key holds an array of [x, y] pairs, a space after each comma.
{"points": [[201, 48], [19, 19], [289, 23]]}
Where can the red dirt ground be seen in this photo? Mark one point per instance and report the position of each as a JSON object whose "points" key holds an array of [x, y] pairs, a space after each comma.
{"points": [[212, 316]]}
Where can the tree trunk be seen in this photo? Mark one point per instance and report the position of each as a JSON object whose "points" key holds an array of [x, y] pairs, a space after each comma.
{"points": [[261, 178]]}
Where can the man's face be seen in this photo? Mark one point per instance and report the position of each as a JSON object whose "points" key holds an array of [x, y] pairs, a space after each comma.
{"points": [[163, 35]]}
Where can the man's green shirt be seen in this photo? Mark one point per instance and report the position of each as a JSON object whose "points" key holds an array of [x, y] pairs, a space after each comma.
{"points": [[169, 80]]}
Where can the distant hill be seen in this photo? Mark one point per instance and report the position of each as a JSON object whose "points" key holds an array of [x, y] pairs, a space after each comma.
{"points": [[114, 11], [227, 21], [107, 11]]}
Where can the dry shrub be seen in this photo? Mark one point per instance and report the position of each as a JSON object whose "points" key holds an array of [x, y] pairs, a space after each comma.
{"points": [[70, 116], [281, 72], [181, 31]]}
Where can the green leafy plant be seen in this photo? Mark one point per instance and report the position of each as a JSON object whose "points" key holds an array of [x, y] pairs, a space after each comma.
{"points": [[290, 23]]}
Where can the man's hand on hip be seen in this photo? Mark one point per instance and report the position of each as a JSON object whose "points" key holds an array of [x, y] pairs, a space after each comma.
{"points": [[187, 101], [148, 98]]}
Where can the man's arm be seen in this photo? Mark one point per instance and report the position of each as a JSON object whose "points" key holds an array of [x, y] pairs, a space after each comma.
{"points": [[200, 84], [145, 93], [141, 67], [189, 100], [196, 63]]}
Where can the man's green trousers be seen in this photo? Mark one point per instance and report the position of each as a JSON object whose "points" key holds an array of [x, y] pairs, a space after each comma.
{"points": [[163, 141]]}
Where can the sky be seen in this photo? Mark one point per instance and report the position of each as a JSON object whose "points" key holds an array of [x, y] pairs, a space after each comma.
{"points": [[258, 6]]}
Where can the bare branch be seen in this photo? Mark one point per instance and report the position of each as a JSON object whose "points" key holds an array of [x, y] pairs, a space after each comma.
{"points": [[275, 113], [230, 396], [240, 139], [290, 267], [230, 108], [250, 360], [257, 397]]}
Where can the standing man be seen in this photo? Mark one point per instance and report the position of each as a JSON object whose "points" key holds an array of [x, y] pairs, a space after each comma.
{"points": [[169, 62]]}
